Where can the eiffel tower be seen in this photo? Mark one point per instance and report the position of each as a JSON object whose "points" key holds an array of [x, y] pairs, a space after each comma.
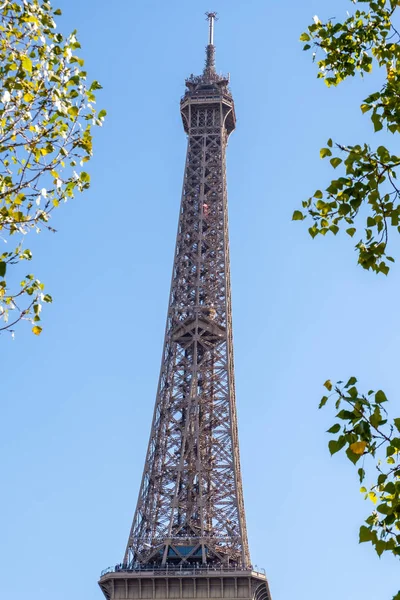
{"points": [[188, 537]]}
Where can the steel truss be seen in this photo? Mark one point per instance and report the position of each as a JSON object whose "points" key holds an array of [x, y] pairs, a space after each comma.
{"points": [[190, 506]]}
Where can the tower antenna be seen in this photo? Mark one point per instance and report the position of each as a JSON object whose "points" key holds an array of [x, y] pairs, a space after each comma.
{"points": [[210, 50], [211, 18]]}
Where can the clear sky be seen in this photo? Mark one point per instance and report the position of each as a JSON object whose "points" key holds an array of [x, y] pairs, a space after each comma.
{"points": [[77, 402]]}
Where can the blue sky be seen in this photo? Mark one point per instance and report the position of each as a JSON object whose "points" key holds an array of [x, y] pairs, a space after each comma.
{"points": [[77, 402]]}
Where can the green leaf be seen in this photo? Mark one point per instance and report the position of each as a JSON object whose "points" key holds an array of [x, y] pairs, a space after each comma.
{"points": [[390, 450], [390, 487], [298, 216], [346, 415], [333, 447], [365, 107], [334, 429], [365, 534], [352, 456], [382, 478], [384, 509], [95, 86], [328, 385], [324, 400], [351, 381], [380, 397], [383, 268], [305, 37], [335, 162], [396, 421], [376, 119], [396, 443], [375, 418], [336, 445], [351, 231], [3, 268], [380, 547], [325, 152], [353, 392]]}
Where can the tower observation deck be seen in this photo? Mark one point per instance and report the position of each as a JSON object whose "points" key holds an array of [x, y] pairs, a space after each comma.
{"points": [[188, 537]]}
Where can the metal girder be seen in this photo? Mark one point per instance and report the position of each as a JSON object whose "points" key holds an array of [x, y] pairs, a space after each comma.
{"points": [[190, 506]]}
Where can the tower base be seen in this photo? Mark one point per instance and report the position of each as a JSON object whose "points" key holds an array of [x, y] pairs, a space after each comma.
{"points": [[185, 584]]}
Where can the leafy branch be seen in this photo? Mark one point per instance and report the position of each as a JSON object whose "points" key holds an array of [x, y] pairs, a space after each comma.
{"points": [[368, 176], [46, 116], [364, 431]]}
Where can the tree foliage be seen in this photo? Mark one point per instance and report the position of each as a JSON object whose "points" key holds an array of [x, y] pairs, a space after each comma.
{"points": [[367, 177], [46, 117], [365, 196], [363, 430]]}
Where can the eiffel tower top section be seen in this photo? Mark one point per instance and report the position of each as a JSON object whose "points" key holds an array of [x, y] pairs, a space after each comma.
{"points": [[209, 87]]}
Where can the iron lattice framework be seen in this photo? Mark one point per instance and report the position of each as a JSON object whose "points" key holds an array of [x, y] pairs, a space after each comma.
{"points": [[190, 506]]}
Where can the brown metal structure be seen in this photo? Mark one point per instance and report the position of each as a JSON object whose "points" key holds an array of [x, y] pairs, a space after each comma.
{"points": [[190, 504], [190, 511]]}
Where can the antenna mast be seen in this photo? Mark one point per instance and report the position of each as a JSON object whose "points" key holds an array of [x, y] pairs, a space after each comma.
{"points": [[210, 50], [211, 17]]}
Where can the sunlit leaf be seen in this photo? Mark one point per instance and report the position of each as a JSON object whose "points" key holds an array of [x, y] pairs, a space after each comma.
{"points": [[358, 447]]}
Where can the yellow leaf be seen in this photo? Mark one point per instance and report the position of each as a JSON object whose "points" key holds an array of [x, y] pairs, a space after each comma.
{"points": [[27, 64], [28, 97], [358, 447], [372, 497], [37, 330], [32, 19], [73, 111]]}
